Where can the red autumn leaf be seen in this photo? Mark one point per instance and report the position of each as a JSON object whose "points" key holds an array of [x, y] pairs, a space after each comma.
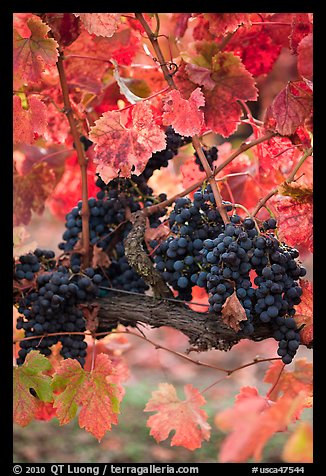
{"points": [[183, 416], [242, 189], [233, 313], [295, 221], [257, 50], [101, 24], [119, 147], [61, 202], [34, 53], [94, 391], [136, 25], [301, 27], [180, 22], [247, 403], [20, 23], [45, 411], [304, 312], [290, 383], [191, 173], [233, 82], [112, 347], [201, 29], [34, 181], [65, 27], [252, 421], [295, 27], [201, 76], [31, 375], [28, 122], [184, 114], [305, 57], [88, 74], [276, 158], [200, 296], [222, 23], [290, 108], [299, 446]]}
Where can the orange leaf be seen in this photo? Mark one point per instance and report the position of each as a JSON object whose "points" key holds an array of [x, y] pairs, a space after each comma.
{"points": [[45, 411], [253, 420], [233, 312], [119, 147], [290, 383], [183, 416], [299, 446], [94, 391]]}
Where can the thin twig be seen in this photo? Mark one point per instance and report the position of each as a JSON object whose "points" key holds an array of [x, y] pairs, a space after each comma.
{"points": [[82, 160], [195, 139], [230, 372], [243, 147]]}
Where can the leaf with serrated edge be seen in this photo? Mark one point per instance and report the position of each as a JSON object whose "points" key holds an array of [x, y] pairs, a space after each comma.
{"points": [[184, 114], [183, 416], [97, 391], [232, 82], [31, 375], [252, 421], [100, 24], [290, 383], [118, 147], [28, 122], [33, 54]]}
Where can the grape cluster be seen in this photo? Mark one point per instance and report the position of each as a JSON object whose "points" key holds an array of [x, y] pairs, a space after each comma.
{"points": [[51, 306], [233, 258], [210, 154], [30, 263], [178, 258]]}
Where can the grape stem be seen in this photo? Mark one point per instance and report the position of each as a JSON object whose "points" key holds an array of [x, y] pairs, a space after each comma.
{"points": [[243, 147], [195, 139], [82, 160]]}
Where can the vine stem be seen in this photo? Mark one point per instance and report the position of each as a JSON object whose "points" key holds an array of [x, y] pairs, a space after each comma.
{"points": [[195, 139], [82, 160], [230, 372], [156, 345], [270, 391], [242, 148], [290, 179]]}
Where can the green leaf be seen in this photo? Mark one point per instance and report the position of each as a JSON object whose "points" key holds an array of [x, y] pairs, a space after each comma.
{"points": [[28, 376]]}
